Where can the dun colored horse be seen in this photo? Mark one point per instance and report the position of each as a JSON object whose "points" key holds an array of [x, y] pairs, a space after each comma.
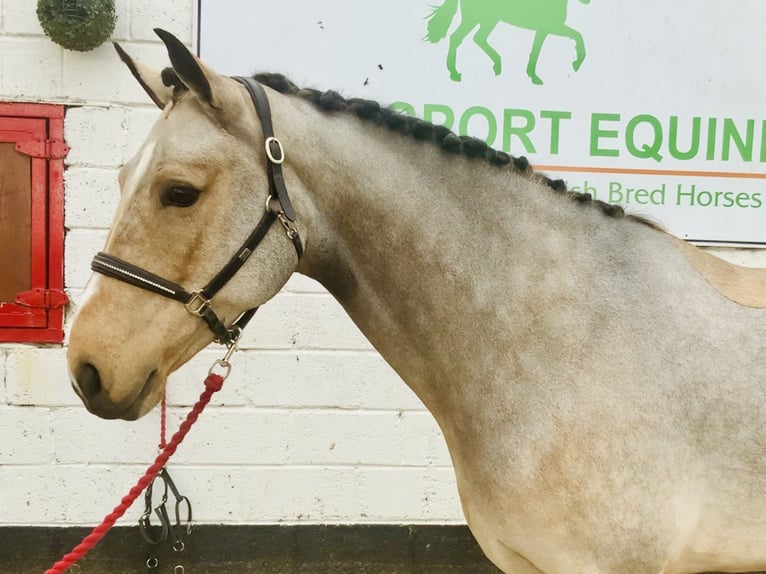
{"points": [[544, 17], [599, 383]]}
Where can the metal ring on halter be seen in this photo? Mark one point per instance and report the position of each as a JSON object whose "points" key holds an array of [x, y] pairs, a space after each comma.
{"points": [[225, 365], [273, 205]]}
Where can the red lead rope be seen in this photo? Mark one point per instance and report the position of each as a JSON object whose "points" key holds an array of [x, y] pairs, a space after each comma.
{"points": [[163, 420], [213, 383]]}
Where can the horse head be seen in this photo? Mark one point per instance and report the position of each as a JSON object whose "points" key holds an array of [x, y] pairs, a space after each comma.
{"points": [[189, 198]]}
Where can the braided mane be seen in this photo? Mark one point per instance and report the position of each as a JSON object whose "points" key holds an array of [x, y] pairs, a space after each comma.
{"points": [[372, 111]]}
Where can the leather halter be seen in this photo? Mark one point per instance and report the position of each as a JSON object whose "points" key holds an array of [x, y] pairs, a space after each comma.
{"points": [[278, 208]]}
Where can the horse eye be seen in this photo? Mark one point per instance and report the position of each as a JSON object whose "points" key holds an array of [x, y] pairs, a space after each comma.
{"points": [[180, 196]]}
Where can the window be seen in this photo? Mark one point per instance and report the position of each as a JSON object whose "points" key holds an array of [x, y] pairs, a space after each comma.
{"points": [[32, 151]]}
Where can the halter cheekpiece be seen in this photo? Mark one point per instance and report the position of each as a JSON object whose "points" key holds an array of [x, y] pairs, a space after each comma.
{"points": [[278, 208]]}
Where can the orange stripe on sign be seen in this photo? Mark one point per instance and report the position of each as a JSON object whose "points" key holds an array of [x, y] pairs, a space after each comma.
{"points": [[619, 170]]}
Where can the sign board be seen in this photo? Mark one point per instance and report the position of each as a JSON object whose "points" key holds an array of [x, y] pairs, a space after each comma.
{"points": [[658, 106]]}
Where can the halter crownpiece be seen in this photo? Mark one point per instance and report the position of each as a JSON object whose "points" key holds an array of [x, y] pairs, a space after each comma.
{"points": [[278, 208]]}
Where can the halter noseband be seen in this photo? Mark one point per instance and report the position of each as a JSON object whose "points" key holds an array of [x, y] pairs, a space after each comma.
{"points": [[278, 207]]}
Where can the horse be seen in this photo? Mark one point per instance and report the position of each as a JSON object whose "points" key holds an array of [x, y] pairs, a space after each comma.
{"points": [[599, 383], [543, 17]]}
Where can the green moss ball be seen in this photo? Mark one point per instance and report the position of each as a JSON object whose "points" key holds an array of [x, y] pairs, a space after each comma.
{"points": [[77, 24]]}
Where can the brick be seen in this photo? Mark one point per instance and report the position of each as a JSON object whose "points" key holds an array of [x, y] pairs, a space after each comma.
{"points": [[269, 494], [277, 437], [64, 495], [26, 436], [361, 438], [81, 437], [20, 17], [294, 380], [82, 494], [442, 502], [185, 385], [391, 493], [92, 197], [311, 494], [3, 382], [37, 376], [321, 323], [80, 247], [271, 379], [303, 321], [411, 494], [96, 136], [233, 436], [139, 122], [320, 379], [100, 75], [249, 437], [74, 298], [301, 284], [122, 26], [31, 69], [746, 257], [273, 326], [175, 17]]}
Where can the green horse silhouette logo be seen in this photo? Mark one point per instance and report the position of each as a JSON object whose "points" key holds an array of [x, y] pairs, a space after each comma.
{"points": [[544, 17]]}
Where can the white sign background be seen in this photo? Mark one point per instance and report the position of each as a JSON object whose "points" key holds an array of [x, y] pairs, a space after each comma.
{"points": [[670, 101]]}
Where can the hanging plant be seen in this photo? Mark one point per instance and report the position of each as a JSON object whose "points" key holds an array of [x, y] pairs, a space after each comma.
{"points": [[77, 24]]}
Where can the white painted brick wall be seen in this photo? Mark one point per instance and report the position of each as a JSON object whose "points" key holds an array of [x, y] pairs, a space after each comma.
{"points": [[312, 425]]}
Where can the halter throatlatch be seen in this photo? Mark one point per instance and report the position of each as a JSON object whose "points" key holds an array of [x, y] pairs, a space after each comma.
{"points": [[278, 208]]}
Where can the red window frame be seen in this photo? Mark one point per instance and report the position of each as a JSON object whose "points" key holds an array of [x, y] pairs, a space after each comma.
{"points": [[37, 315]]}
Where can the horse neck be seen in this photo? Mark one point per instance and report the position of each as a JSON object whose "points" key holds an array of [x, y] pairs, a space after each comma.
{"points": [[424, 249]]}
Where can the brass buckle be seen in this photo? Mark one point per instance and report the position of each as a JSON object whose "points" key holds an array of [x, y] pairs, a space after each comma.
{"points": [[197, 304]]}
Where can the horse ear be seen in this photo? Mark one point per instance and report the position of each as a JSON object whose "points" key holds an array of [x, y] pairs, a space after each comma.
{"points": [[189, 69], [149, 79]]}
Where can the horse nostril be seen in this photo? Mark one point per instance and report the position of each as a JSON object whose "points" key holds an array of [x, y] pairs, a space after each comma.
{"points": [[88, 380]]}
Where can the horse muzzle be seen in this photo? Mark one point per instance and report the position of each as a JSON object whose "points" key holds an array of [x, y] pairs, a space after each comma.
{"points": [[88, 384]]}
